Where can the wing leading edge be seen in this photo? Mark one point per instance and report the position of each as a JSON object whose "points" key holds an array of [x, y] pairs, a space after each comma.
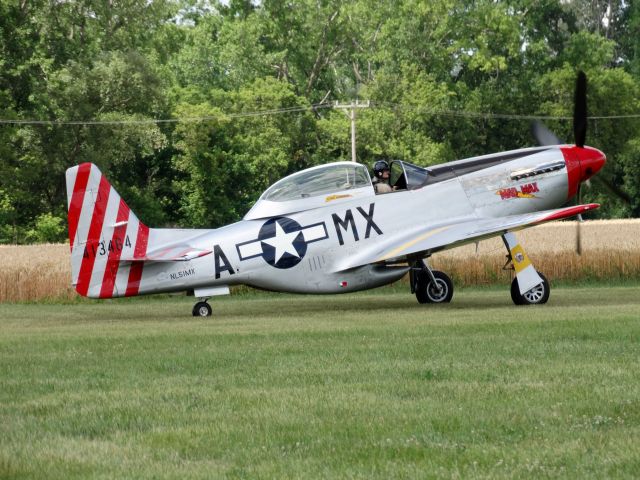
{"points": [[453, 234]]}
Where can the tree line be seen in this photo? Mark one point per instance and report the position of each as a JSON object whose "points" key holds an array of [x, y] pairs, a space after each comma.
{"points": [[242, 88]]}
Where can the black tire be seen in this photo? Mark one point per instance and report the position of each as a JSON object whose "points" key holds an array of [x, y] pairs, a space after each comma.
{"points": [[426, 291], [201, 309], [515, 292], [538, 295]]}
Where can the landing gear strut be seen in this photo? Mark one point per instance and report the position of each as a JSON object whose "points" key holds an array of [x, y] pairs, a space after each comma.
{"points": [[202, 309], [430, 286], [529, 287]]}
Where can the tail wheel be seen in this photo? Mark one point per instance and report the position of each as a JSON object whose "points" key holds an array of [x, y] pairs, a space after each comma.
{"points": [[536, 296], [201, 309], [428, 292]]}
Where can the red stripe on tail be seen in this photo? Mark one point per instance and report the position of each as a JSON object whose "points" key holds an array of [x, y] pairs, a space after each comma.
{"points": [[77, 199], [93, 239], [135, 273], [115, 250]]}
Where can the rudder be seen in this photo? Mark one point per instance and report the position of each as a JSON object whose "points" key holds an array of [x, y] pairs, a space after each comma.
{"points": [[102, 228]]}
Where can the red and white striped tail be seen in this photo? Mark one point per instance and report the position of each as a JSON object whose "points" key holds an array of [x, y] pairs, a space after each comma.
{"points": [[102, 229]]}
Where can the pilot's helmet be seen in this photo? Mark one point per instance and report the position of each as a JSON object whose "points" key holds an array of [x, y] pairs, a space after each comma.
{"points": [[379, 167]]}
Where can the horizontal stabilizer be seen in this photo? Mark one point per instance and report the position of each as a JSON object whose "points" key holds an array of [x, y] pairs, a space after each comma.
{"points": [[173, 253]]}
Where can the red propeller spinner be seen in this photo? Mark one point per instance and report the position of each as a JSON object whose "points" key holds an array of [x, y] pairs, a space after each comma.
{"points": [[582, 164]]}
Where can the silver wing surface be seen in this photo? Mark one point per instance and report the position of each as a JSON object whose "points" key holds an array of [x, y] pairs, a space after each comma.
{"points": [[435, 237]]}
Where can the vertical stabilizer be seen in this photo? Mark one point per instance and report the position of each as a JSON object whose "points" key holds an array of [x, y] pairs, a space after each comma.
{"points": [[102, 228]]}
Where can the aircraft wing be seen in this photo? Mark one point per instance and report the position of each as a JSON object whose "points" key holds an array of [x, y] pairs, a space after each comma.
{"points": [[173, 253], [453, 234]]}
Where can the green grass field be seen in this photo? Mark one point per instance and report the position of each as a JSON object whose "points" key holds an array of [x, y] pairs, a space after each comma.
{"points": [[369, 385]]}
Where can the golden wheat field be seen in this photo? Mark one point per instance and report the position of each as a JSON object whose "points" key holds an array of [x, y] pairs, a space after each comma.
{"points": [[610, 251]]}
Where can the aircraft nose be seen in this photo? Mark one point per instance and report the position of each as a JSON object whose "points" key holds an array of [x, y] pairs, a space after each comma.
{"points": [[591, 161], [582, 164]]}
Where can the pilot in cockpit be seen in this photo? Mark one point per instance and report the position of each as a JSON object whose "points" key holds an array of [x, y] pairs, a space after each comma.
{"points": [[381, 177]]}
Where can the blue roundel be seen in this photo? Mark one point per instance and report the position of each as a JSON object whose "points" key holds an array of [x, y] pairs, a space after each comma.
{"points": [[282, 242]]}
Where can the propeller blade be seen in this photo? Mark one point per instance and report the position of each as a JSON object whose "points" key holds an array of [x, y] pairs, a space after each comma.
{"points": [[543, 135], [580, 110], [617, 191], [579, 224]]}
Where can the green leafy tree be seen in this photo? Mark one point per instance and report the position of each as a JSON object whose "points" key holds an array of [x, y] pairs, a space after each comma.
{"points": [[431, 70], [630, 160], [47, 229], [226, 161]]}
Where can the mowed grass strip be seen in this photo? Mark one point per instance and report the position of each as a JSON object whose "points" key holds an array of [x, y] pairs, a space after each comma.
{"points": [[368, 385]]}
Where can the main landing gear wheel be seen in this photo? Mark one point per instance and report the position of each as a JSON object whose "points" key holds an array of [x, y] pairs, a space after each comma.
{"points": [[536, 296], [428, 292], [202, 309]]}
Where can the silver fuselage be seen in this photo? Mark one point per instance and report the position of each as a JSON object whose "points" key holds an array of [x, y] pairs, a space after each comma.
{"points": [[342, 229]]}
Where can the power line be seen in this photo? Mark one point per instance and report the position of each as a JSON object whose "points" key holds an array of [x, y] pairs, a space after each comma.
{"points": [[258, 113], [280, 111], [490, 115]]}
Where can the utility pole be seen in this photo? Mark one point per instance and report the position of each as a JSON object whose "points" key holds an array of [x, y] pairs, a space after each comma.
{"points": [[352, 116]]}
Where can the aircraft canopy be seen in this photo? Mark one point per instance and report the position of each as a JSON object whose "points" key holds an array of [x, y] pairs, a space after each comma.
{"points": [[312, 188]]}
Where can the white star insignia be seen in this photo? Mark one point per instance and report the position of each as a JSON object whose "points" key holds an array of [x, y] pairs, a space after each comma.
{"points": [[283, 243]]}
